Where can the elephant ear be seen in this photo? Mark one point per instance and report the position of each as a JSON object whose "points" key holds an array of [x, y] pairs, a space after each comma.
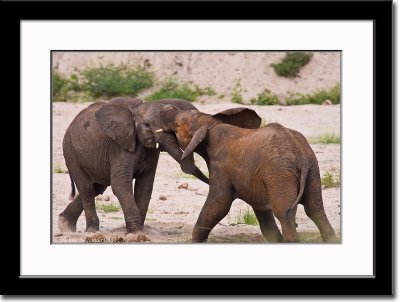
{"points": [[241, 117], [197, 138], [117, 122], [168, 117]]}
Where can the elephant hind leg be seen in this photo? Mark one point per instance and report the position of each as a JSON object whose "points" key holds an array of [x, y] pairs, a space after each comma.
{"points": [[85, 199], [268, 225], [68, 218], [314, 209], [281, 200]]}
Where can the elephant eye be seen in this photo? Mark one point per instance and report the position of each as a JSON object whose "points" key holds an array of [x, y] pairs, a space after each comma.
{"points": [[147, 125]]}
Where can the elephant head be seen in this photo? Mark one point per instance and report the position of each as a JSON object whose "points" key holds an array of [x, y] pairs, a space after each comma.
{"points": [[117, 119], [163, 120]]}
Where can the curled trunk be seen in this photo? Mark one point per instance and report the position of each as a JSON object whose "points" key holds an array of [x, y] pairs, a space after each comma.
{"points": [[169, 143]]}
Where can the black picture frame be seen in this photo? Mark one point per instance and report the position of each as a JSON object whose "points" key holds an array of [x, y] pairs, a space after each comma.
{"points": [[378, 11]]}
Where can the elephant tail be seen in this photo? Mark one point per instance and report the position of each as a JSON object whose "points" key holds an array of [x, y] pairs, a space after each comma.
{"points": [[72, 194], [303, 177]]}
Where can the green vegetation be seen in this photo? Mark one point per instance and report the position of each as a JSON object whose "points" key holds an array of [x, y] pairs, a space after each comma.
{"points": [[317, 97], [247, 217], [329, 181], [113, 81], [326, 138], [292, 63], [60, 88], [108, 207], [108, 81], [116, 218], [172, 89], [59, 169], [236, 94], [64, 87], [265, 98]]}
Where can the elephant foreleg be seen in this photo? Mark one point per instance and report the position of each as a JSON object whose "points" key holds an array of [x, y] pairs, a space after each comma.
{"points": [[124, 193], [268, 225], [143, 190], [89, 206], [215, 208]]}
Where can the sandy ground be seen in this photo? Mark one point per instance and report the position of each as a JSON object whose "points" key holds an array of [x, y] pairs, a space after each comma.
{"points": [[172, 220]]}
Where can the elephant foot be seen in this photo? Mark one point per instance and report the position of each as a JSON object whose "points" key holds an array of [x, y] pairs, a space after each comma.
{"points": [[137, 237], [92, 229], [66, 225]]}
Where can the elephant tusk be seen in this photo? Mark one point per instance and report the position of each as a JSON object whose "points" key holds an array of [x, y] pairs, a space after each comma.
{"points": [[157, 145], [159, 130]]}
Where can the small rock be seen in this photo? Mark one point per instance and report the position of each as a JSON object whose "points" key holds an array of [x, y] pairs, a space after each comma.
{"points": [[184, 185], [327, 102], [107, 198], [136, 237], [66, 172], [117, 239], [96, 238], [58, 235], [162, 197], [142, 238]]}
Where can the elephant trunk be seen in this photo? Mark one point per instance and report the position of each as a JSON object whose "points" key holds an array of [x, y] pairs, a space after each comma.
{"points": [[169, 143]]}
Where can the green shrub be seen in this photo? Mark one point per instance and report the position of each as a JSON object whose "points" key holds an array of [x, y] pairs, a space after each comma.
{"points": [[317, 97], [292, 63], [326, 138], [265, 98], [60, 87], [64, 88], [58, 169], [329, 181], [172, 89], [247, 217], [206, 91], [108, 207], [236, 94], [113, 81]]}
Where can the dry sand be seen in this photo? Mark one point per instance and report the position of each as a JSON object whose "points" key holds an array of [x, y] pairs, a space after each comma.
{"points": [[172, 220]]}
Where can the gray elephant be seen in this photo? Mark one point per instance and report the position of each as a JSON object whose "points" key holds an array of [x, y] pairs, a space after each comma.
{"points": [[105, 146], [272, 168]]}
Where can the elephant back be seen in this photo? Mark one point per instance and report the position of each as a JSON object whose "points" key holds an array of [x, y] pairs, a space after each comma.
{"points": [[126, 101], [181, 104]]}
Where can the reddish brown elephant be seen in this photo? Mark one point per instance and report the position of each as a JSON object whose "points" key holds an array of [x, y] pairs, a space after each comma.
{"points": [[272, 168]]}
